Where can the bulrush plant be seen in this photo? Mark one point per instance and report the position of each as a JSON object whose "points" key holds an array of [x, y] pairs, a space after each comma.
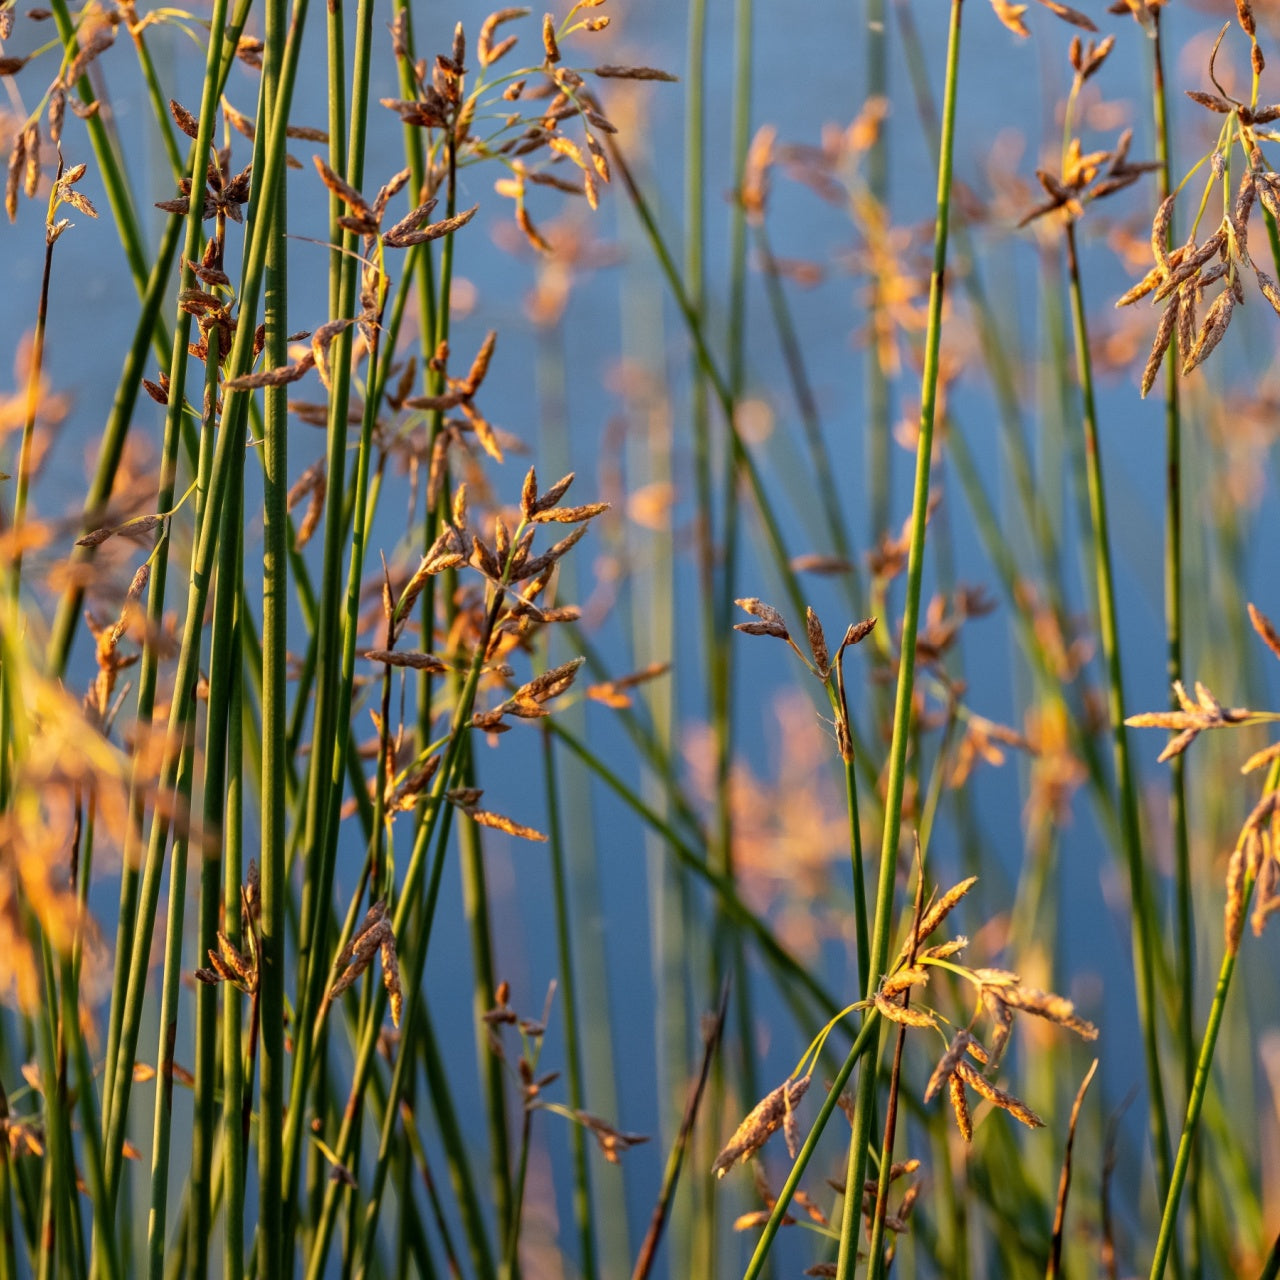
{"points": [[379, 676], [998, 996], [241, 948]]}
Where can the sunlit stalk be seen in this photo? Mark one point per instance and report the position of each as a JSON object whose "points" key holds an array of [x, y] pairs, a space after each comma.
{"points": [[1184, 951], [902, 717], [1145, 925]]}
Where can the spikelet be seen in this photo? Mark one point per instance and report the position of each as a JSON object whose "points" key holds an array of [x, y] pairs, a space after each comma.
{"points": [[764, 1119]]}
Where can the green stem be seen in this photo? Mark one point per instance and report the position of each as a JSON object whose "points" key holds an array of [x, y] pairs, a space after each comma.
{"points": [[275, 702], [582, 1203], [1144, 940], [902, 717], [224, 659], [233, 1074], [1173, 612], [1166, 1240], [170, 993]]}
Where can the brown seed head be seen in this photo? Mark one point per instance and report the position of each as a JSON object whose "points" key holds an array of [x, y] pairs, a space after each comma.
{"points": [[960, 1105], [943, 1072], [761, 1123]]}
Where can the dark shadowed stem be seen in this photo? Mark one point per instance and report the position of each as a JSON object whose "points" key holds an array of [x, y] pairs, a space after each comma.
{"points": [[107, 1254], [1064, 1182], [721, 655], [671, 1175], [728, 946], [1173, 618], [61, 1251], [906, 667], [365, 487], [8, 1240], [1271, 1268], [275, 707], [414, 1024], [1144, 935], [512, 1251]]}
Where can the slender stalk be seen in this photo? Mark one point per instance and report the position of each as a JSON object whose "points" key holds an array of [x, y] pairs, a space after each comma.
{"points": [[1166, 1241], [902, 716], [233, 1073], [491, 1067], [161, 1129], [675, 1158], [875, 1248], [693, 1230], [511, 1255], [8, 1239], [31, 408], [170, 993], [583, 1211], [272, 1190], [1184, 951], [221, 720], [1144, 937]]}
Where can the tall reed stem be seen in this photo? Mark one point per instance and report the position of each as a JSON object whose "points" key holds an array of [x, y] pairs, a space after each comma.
{"points": [[902, 719], [1144, 937], [1173, 613]]}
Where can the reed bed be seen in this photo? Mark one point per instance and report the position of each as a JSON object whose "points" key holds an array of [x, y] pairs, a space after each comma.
{"points": [[550, 840]]}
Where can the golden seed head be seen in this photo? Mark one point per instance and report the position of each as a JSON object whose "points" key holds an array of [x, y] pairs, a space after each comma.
{"points": [[764, 1119]]}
